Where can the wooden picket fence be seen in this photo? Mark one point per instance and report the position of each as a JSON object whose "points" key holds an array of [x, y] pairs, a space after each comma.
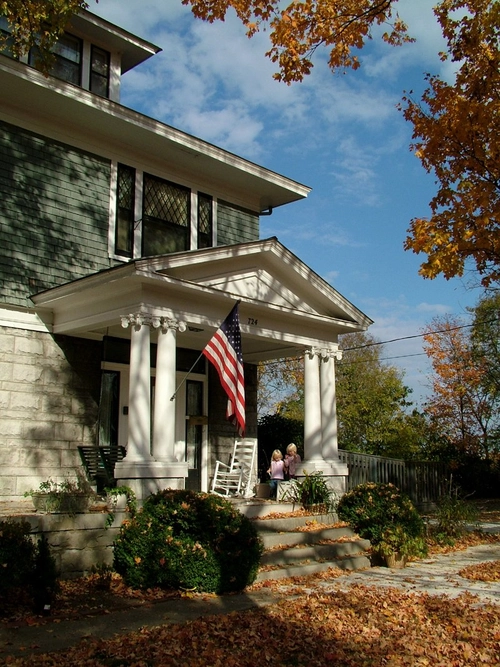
{"points": [[423, 481]]}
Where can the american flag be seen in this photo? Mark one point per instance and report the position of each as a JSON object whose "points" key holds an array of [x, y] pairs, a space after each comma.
{"points": [[224, 351]]}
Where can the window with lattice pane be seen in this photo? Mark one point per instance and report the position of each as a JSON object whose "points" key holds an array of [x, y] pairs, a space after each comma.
{"points": [[205, 221], [125, 205], [166, 217]]}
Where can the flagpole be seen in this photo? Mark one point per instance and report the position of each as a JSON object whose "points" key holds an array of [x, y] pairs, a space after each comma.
{"points": [[186, 376]]}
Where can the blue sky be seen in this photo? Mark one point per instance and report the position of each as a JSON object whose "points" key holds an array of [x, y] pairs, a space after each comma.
{"points": [[340, 134]]}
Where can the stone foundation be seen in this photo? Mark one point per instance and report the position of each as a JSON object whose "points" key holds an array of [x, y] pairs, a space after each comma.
{"points": [[49, 395]]}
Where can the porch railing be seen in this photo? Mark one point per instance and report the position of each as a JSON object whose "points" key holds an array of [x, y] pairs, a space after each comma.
{"points": [[423, 481]]}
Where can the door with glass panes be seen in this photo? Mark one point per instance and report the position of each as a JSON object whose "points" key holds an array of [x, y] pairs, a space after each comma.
{"points": [[190, 427], [191, 431]]}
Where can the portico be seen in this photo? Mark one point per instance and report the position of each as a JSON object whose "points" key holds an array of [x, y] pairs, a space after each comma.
{"points": [[177, 302]]}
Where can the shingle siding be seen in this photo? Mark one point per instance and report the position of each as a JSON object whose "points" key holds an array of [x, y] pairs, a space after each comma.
{"points": [[53, 214], [236, 224]]}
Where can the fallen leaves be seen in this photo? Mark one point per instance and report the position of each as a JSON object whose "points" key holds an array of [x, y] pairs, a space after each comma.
{"points": [[359, 628], [470, 539], [489, 571]]}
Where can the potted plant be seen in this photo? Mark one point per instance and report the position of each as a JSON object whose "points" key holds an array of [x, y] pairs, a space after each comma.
{"points": [[70, 496], [396, 546], [313, 493], [386, 517]]}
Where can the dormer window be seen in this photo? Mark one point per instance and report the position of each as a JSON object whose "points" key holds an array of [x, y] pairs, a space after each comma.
{"points": [[68, 59], [99, 71], [6, 40]]}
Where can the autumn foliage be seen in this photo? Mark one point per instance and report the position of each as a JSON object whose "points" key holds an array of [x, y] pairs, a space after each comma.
{"points": [[38, 22], [462, 406], [298, 29], [456, 136]]}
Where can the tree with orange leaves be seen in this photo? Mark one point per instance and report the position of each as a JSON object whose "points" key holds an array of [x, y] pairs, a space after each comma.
{"points": [[37, 22], [299, 28], [457, 136], [463, 407]]}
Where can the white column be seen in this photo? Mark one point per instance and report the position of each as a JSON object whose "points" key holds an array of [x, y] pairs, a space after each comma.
{"points": [[139, 404], [329, 404], [165, 386], [312, 409]]}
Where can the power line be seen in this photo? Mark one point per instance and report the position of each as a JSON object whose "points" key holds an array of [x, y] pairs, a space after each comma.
{"points": [[396, 340]]}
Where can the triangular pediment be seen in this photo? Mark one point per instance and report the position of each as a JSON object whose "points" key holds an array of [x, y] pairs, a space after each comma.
{"points": [[285, 306], [264, 271], [258, 284]]}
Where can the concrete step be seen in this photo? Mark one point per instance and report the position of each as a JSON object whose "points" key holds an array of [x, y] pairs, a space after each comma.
{"points": [[286, 524], [291, 552], [359, 562], [287, 538], [318, 552]]}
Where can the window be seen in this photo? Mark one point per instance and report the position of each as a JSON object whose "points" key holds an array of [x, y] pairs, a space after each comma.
{"points": [[6, 40], [125, 206], [166, 217], [205, 221], [151, 216], [99, 72], [68, 59]]}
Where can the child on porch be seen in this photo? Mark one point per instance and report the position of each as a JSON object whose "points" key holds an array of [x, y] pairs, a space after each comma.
{"points": [[292, 461], [277, 471]]}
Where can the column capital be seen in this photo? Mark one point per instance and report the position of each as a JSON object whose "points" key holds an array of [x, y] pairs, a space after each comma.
{"points": [[133, 320], [324, 353], [153, 321], [330, 353], [165, 323]]}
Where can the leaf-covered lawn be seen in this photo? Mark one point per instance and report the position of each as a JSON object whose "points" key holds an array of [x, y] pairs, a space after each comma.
{"points": [[360, 628]]}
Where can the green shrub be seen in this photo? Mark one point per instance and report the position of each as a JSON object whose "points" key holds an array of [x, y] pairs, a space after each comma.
{"points": [[453, 514], [43, 577], [26, 565], [386, 517], [183, 539], [17, 555]]}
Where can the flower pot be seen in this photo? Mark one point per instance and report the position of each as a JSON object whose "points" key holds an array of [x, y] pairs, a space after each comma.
{"points": [[262, 491], [63, 503], [396, 561], [317, 508]]}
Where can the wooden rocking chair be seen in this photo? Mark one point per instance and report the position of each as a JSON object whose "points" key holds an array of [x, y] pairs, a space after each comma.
{"points": [[237, 478]]}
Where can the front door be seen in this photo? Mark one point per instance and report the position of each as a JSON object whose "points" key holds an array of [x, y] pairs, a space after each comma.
{"points": [[194, 433]]}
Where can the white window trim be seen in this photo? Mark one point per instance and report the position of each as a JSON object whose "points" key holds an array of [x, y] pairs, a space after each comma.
{"points": [[194, 221], [137, 241]]}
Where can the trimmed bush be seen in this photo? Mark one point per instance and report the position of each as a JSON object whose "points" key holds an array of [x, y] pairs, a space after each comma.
{"points": [[26, 565], [384, 515], [187, 540], [17, 555]]}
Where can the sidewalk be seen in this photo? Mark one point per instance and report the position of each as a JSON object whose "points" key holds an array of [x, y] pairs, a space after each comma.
{"points": [[435, 576]]}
